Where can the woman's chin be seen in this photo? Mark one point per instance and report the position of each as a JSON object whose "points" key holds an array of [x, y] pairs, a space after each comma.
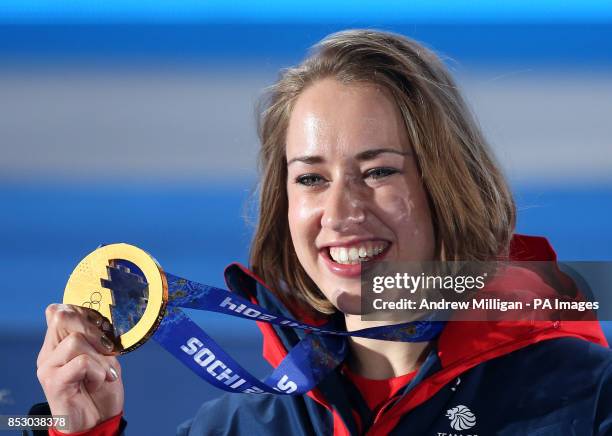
{"points": [[347, 302]]}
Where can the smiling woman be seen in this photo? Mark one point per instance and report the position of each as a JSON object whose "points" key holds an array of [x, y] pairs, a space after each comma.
{"points": [[323, 130], [369, 153]]}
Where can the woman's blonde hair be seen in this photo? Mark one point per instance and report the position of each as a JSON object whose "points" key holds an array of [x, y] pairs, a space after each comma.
{"points": [[472, 208]]}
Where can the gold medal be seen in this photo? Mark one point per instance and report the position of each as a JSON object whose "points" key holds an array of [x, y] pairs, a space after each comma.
{"points": [[126, 285]]}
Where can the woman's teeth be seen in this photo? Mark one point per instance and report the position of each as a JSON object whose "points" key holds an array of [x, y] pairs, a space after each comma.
{"points": [[357, 254]]}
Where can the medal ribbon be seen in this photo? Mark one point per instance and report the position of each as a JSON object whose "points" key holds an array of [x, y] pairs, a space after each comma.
{"points": [[306, 364]]}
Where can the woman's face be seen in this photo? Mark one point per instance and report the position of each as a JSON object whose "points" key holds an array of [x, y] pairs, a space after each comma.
{"points": [[354, 190]]}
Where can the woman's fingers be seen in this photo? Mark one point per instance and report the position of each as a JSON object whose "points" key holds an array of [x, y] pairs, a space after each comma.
{"points": [[82, 368], [64, 319], [74, 361], [56, 313], [75, 345]]}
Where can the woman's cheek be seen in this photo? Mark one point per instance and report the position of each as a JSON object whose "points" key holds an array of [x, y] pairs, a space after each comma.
{"points": [[303, 211], [396, 205], [304, 220], [408, 216]]}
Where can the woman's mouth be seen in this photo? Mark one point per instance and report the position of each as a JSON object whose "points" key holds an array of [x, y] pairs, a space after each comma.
{"points": [[346, 260]]}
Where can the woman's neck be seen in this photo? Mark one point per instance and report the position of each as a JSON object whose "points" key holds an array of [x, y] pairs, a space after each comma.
{"points": [[378, 359]]}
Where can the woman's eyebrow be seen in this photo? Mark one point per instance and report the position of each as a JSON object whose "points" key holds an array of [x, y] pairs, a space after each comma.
{"points": [[371, 154], [362, 156], [310, 160]]}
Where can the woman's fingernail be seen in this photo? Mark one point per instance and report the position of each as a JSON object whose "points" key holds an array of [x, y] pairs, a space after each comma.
{"points": [[113, 372], [106, 343], [106, 326], [95, 320]]}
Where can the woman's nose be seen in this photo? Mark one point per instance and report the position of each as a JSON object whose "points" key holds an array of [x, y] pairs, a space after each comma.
{"points": [[343, 207]]}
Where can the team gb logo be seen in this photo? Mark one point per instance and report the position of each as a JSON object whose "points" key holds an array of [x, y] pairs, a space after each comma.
{"points": [[461, 418]]}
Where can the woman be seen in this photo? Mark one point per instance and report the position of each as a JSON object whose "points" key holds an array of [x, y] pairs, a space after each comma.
{"points": [[369, 152]]}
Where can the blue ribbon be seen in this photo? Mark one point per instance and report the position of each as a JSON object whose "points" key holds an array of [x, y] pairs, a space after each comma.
{"points": [[319, 352]]}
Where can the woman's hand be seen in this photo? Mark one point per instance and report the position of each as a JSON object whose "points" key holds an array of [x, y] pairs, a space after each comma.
{"points": [[77, 368]]}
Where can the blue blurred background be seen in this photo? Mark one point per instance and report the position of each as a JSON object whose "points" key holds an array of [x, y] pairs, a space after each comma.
{"points": [[134, 121]]}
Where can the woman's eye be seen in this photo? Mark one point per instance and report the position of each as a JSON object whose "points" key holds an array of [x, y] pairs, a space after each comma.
{"points": [[379, 173], [309, 180]]}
